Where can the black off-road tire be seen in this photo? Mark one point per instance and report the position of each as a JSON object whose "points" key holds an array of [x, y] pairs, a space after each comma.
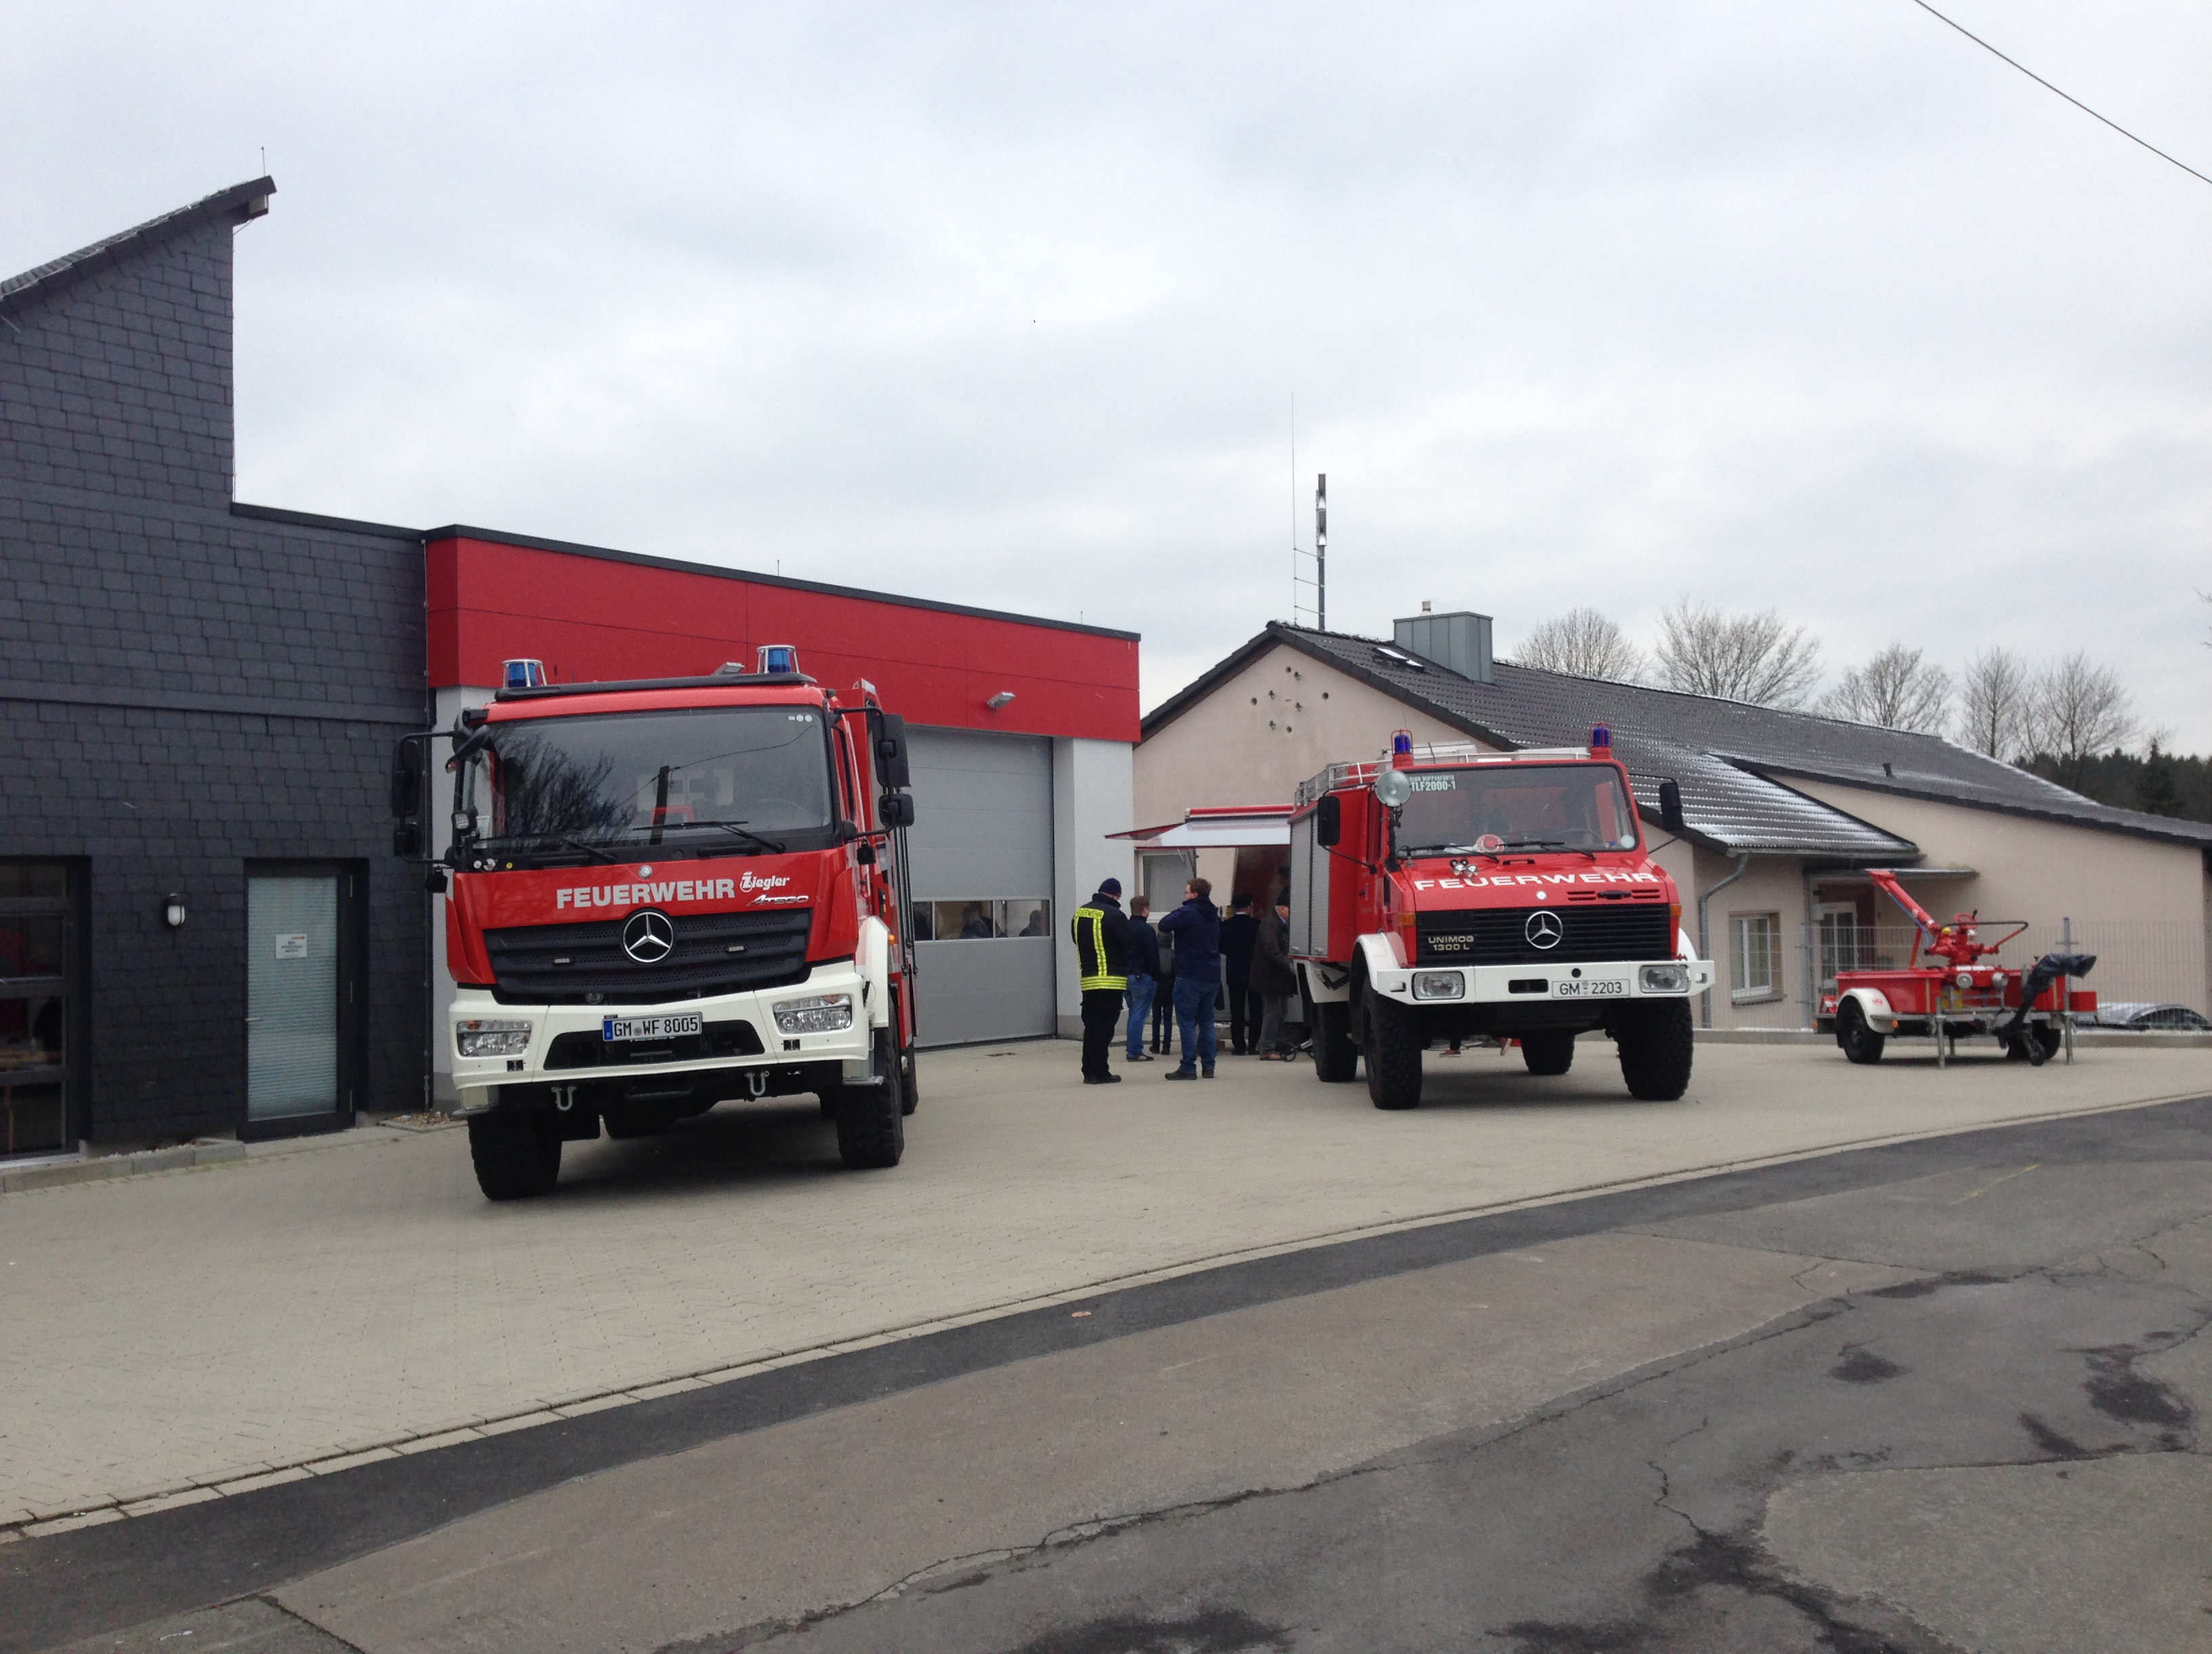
{"points": [[1336, 1059], [1857, 1036], [1550, 1051], [1657, 1043], [1393, 1052], [871, 1119], [517, 1155]]}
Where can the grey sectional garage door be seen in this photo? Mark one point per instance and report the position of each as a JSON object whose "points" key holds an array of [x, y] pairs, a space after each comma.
{"points": [[981, 876]]}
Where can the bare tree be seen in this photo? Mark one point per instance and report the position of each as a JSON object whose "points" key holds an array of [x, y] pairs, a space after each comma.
{"points": [[1898, 689], [1996, 704], [2080, 711], [1755, 657], [1582, 643]]}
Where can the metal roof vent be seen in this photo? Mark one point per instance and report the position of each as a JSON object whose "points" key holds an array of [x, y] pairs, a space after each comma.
{"points": [[1458, 641]]}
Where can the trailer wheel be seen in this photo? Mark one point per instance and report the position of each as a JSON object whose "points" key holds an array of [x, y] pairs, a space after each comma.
{"points": [[517, 1156], [1655, 1048], [1551, 1051], [1336, 1059], [871, 1119], [1856, 1035], [1393, 1054]]}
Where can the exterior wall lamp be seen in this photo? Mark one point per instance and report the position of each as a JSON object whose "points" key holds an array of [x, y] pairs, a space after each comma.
{"points": [[1004, 697], [173, 911]]}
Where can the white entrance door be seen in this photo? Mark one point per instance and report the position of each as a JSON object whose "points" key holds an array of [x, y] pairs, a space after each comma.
{"points": [[291, 995]]}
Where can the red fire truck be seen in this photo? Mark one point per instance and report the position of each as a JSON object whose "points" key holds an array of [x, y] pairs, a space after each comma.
{"points": [[666, 894], [1446, 892]]}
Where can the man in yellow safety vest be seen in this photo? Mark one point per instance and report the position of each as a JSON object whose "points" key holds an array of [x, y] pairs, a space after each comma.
{"points": [[1102, 958]]}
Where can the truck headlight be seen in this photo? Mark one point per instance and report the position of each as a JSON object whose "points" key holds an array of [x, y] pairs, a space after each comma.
{"points": [[480, 1038], [1439, 985], [822, 1013], [1664, 979]]}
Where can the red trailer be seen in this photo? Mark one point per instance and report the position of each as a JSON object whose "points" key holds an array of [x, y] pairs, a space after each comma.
{"points": [[1952, 986]]}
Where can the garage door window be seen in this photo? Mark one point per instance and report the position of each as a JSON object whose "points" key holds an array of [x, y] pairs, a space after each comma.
{"points": [[982, 919], [1756, 965]]}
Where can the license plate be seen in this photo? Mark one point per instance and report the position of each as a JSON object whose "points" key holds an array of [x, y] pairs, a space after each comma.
{"points": [[1590, 990], [615, 1028]]}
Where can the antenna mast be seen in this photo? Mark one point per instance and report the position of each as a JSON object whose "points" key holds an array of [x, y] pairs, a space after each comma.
{"points": [[1321, 552]]}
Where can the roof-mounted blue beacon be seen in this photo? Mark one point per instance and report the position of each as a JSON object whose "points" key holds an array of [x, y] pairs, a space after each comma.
{"points": [[778, 659], [522, 674], [1601, 740]]}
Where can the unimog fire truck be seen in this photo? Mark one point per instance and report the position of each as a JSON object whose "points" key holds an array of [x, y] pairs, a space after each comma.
{"points": [[1446, 892], [666, 894]]}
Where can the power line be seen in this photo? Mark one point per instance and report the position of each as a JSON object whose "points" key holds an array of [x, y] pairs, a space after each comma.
{"points": [[2069, 96]]}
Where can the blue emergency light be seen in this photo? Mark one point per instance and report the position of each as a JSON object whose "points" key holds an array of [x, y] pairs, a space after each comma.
{"points": [[1600, 738], [1401, 744], [522, 674], [778, 658]]}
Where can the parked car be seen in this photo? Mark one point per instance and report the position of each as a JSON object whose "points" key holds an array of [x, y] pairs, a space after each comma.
{"points": [[2143, 1015]]}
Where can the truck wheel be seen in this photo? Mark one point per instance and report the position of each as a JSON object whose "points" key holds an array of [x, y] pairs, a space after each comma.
{"points": [[1549, 1052], [516, 1155], [1655, 1046], [1393, 1054], [1336, 1059], [871, 1119], [1856, 1035]]}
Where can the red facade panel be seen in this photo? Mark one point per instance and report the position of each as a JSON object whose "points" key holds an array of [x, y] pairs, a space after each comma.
{"points": [[593, 618]]}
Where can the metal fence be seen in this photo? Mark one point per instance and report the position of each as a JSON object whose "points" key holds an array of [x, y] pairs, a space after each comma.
{"points": [[2163, 962]]}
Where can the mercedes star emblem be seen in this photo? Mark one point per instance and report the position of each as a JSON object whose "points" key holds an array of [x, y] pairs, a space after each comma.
{"points": [[649, 937], [1542, 930]]}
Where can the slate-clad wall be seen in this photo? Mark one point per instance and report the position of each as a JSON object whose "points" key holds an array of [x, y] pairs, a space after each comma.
{"points": [[185, 686]]}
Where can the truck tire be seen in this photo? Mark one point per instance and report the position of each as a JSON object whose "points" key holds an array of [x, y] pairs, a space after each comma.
{"points": [[1336, 1059], [1656, 1045], [1551, 1051], [1855, 1034], [1393, 1054], [871, 1119], [517, 1156]]}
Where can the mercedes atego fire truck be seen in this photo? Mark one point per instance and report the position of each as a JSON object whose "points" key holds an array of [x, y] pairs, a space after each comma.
{"points": [[1446, 893], [666, 894]]}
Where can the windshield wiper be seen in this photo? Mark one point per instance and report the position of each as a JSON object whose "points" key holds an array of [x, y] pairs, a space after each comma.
{"points": [[773, 846], [535, 840], [1548, 845]]}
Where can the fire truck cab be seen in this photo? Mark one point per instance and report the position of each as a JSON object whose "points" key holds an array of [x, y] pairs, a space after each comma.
{"points": [[666, 894], [1450, 893]]}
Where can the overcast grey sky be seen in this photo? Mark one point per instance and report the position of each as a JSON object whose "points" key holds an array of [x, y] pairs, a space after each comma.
{"points": [[1809, 305]]}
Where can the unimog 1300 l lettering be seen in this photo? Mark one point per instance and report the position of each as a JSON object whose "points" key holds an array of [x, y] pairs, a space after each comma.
{"points": [[1447, 892], [666, 894]]}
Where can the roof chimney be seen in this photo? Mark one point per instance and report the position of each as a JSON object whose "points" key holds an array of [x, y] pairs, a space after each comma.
{"points": [[1459, 642]]}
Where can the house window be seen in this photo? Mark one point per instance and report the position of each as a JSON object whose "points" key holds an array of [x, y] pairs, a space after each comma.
{"points": [[1755, 957]]}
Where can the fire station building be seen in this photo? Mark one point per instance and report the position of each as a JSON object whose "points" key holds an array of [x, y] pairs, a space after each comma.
{"points": [[202, 927]]}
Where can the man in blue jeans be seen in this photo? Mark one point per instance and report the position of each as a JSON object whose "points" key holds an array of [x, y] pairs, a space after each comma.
{"points": [[1195, 929], [1144, 975]]}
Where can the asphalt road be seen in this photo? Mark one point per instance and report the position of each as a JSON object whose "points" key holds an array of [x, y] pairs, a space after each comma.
{"points": [[1935, 1396]]}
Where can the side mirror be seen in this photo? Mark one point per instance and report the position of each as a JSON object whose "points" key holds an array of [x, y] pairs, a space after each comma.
{"points": [[409, 788], [1328, 822], [890, 749], [1670, 807], [896, 809]]}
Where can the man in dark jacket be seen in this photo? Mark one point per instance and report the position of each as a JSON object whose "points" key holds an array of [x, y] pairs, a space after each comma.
{"points": [[1143, 976], [1275, 980], [1238, 932], [1102, 960], [1195, 929]]}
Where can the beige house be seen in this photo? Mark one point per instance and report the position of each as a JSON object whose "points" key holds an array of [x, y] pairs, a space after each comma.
{"points": [[1785, 811]]}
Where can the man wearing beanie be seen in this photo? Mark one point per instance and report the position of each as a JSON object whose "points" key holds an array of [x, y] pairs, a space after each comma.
{"points": [[1102, 960]]}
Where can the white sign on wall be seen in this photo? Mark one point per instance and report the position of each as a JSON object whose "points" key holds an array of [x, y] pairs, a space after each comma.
{"points": [[292, 947]]}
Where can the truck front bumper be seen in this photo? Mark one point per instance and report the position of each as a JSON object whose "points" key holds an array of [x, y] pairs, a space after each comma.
{"points": [[564, 1045], [1592, 984]]}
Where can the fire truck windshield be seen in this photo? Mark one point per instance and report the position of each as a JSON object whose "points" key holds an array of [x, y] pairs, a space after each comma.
{"points": [[1494, 809], [707, 781]]}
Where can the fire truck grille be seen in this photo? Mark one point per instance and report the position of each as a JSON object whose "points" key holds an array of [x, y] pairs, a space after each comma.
{"points": [[1642, 930], [585, 964]]}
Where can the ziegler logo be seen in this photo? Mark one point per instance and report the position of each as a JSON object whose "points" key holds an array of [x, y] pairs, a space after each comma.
{"points": [[1543, 930], [753, 881]]}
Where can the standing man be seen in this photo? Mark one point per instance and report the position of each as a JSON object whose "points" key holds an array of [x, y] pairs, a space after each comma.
{"points": [[1238, 932], [1195, 929], [1101, 958], [1276, 982], [1143, 973]]}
